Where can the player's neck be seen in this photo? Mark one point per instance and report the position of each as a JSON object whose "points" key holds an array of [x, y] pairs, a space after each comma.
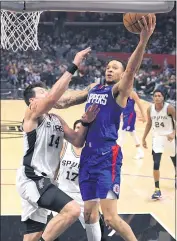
{"points": [[159, 107], [77, 150]]}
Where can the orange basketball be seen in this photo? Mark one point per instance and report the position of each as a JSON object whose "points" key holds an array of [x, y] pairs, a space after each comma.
{"points": [[130, 21]]}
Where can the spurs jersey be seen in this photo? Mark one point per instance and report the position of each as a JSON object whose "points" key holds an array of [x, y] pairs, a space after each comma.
{"points": [[69, 169], [162, 123], [42, 148]]}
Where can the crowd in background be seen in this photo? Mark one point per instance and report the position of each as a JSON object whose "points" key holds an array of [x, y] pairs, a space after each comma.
{"points": [[60, 42]]}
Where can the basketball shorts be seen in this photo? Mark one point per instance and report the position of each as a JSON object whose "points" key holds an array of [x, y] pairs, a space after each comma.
{"points": [[161, 144], [100, 171], [129, 121], [38, 197]]}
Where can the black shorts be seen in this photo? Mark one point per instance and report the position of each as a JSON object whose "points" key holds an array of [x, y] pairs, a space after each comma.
{"points": [[52, 199]]}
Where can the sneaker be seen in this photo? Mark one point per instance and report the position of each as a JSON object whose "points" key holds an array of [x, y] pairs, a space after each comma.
{"points": [[139, 155], [157, 194]]}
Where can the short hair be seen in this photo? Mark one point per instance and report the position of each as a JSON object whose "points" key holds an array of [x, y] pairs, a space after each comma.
{"points": [[30, 93], [75, 123], [160, 91], [118, 60]]}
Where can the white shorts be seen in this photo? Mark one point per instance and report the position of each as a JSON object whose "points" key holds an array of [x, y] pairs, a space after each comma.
{"points": [[30, 194], [161, 144], [77, 197]]}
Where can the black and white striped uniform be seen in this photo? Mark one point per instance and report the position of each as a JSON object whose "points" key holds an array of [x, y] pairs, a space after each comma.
{"points": [[42, 148]]}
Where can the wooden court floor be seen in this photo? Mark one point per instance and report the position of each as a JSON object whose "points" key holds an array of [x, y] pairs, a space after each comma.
{"points": [[137, 182]]}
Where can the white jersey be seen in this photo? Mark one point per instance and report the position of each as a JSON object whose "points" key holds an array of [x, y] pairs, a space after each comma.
{"points": [[162, 123], [68, 177], [69, 170], [42, 148]]}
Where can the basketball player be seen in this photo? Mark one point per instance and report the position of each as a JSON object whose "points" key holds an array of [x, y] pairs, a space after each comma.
{"points": [[129, 119], [43, 137], [101, 158], [161, 117], [67, 177]]}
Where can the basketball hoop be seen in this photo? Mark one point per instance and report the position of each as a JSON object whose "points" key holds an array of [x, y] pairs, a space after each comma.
{"points": [[19, 30]]}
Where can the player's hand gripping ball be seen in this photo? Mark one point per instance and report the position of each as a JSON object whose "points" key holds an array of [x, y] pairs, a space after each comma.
{"points": [[130, 21]]}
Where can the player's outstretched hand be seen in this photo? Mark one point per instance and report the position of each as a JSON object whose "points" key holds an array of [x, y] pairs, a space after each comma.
{"points": [[144, 143], [147, 29], [80, 56], [90, 114]]}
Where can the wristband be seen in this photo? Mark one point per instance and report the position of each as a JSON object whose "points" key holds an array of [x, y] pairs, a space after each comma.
{"points": [[85, 124], [72, 68]]}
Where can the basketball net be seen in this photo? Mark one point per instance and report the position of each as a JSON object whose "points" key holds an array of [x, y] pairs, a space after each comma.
{"points": [[19, 31]]}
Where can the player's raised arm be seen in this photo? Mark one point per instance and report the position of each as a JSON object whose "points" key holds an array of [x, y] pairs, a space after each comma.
{"points": [[147, 128], [124, 87], [138, 102], [41, 106], [77, 139], [75, 97]]}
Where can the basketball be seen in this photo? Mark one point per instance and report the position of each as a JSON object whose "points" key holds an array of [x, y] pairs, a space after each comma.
{"points": [[130, 21]]}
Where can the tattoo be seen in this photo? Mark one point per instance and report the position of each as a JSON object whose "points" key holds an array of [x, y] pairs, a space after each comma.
{"points": [[74, 98]]}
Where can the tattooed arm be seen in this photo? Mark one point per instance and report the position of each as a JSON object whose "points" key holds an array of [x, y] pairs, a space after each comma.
{"points": [[73, 97]]}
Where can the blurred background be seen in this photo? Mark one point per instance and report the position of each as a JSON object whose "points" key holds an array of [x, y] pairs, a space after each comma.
{"points": [[62, 34]]}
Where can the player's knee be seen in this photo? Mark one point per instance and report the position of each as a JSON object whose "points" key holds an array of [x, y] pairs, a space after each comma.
{"points": [[156, 159], [91, 214], [156, 165], [72, 210], [109, 219]]}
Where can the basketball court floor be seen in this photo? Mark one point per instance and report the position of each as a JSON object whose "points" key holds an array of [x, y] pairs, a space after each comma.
{"points": [[137, 182]]}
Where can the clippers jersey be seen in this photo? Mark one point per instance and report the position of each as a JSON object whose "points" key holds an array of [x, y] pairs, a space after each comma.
{"points": [[130, 107], [69, 169], [42, 148], [162, 123], [103, 131], [129, 116]]}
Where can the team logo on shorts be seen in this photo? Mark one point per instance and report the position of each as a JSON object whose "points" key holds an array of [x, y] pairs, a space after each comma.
{"points": [[128, 128], [116, 188]]}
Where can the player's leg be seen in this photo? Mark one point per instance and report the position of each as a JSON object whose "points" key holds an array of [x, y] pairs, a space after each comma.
{"points": [[140, 152], [68, 212], [109, 209], [33, 230], [132, 121], [121, 138], [91, 217], [122, 134], [91, 208], [156, 174], [109, 189]]}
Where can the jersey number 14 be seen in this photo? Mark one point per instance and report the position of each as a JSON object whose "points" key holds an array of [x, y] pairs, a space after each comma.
{"points": [[54, 141]]}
